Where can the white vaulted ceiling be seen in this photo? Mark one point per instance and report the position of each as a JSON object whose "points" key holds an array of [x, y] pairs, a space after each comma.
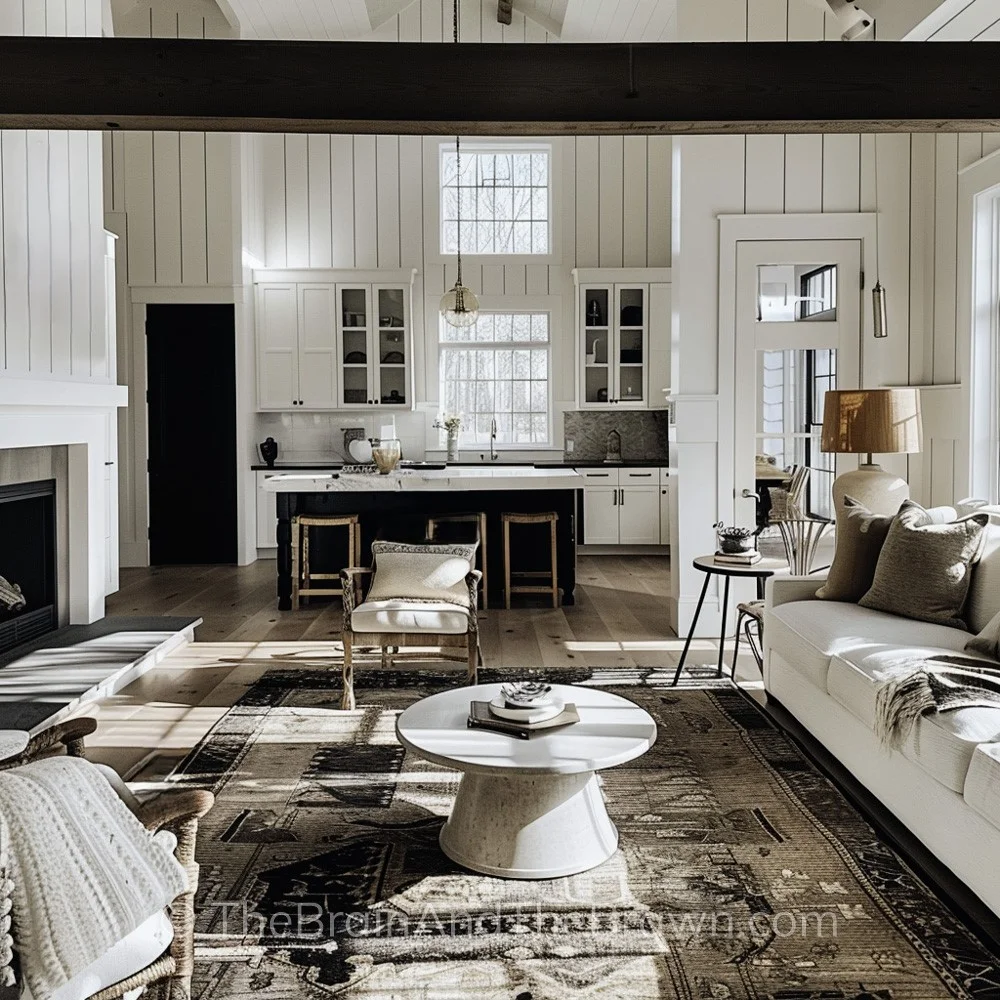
{"points": [[569, 20]]}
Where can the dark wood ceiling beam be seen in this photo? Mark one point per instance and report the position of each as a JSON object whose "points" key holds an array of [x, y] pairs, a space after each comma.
{"points": [[496, 89]]}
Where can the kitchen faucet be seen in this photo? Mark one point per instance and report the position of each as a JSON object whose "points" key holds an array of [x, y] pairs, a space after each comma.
{"points": [[493, 439]]}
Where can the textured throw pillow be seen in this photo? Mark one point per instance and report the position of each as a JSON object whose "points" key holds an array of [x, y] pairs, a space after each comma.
{"points": [[987, 641], [924, 569], [421, 572], [860, 537]]}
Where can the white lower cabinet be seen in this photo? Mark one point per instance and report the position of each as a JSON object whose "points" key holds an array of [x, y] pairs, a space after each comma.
{"points": [[639, 515], [267, 514], [625, 507]]}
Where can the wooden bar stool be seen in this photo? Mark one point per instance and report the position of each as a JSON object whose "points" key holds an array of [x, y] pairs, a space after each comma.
{"points": [[552, 587], [302, 574], [479, 520]]}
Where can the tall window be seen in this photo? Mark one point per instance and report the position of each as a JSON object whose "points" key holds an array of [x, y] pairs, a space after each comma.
{"points": [[498, 369], [505, 200]]}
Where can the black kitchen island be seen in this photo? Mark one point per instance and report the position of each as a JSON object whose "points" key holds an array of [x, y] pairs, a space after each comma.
{"points": [[397, 507]]}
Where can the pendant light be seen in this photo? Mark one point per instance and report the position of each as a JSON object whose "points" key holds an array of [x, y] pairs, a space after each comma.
{"points": [[878, 292], [459, 307]]}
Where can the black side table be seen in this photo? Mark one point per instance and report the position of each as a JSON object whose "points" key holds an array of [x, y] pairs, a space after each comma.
{"points": [[759, 571]]}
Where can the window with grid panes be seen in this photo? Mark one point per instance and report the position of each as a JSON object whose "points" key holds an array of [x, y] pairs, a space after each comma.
{"points": [[498, 369], [504, 196]]}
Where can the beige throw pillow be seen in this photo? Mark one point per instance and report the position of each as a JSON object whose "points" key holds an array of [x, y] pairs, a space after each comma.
{"points": [[924, 569], [860, 537], [987, 641], [421, 572]]}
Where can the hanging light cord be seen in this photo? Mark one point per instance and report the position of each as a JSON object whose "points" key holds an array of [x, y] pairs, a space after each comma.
{"points": [[458, 160], [878, 271]]}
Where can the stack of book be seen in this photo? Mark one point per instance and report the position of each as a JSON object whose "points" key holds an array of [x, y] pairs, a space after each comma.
{"points": [[738, 558], [522, 708]]}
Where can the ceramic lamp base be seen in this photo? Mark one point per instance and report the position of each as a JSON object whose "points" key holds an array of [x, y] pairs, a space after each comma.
{"points": [[880, 491]]}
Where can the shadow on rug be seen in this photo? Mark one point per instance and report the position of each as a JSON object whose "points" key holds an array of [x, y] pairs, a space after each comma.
{"points": [[742, 873]]}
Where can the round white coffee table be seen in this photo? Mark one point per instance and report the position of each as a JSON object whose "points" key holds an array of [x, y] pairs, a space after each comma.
{"points": [[528, 808]]}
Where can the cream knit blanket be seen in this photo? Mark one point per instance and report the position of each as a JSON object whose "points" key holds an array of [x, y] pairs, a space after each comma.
{"points": [[85, 871]]}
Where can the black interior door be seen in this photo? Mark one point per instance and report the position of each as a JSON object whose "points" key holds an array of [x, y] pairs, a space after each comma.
{"points": [[191, 371]]}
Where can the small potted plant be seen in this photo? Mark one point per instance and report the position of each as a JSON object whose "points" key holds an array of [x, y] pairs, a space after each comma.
{"points": [[452, 424]]}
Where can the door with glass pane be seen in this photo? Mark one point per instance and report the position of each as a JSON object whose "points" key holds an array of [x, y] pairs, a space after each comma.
{"points": [[798, 323], [391, 362], [631, 342], [353, 329]]}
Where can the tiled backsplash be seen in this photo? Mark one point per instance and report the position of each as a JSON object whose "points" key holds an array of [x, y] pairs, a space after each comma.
{"points": [[316, 437], [645, 434]]}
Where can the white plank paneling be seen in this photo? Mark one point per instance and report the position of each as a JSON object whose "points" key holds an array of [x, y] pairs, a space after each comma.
{"points": [[634, 214], [319, 202], [841, 172], [659, 172], [80, 229], [167, 207], [588, 198], [297, 211], [365, 203], [14, 148], [387, 199], [39, 255], [221, 232], [60, 275], [803, 173], [765, 173], [193, 205], [342, 199], [611, 152], [946, 253]]}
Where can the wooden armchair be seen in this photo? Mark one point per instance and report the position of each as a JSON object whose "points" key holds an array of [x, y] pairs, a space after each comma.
{"points": [[168, 977], [444, 627]]}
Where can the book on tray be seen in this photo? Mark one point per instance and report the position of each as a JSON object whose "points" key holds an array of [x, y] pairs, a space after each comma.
{"points": [[480, 717], [738, 558]]}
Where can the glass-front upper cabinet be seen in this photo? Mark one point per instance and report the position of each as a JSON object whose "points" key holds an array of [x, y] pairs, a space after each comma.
{"points": [[614, 342], [374, 328]]}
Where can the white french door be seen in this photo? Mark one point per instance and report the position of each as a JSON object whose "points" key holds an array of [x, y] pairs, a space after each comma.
{"points": [[798, 323]]}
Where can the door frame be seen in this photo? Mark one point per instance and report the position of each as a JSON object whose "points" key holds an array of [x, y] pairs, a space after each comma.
{"points": [[133, 445], [735, 229], [841, 334]]}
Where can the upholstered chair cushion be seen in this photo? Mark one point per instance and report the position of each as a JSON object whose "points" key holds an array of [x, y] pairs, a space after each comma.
{"points": [[422, 572], [987, 641], [925, 569]]}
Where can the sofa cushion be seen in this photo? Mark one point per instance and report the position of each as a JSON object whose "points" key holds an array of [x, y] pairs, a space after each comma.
{"points": [[943, 743], [808, 633], [860, 537], [925, 569], [984, 591], [130, 955], [982, 784], [410, 616]]}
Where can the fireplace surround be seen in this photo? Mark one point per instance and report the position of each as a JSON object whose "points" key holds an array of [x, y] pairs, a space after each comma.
{"points": [[28, 558]]}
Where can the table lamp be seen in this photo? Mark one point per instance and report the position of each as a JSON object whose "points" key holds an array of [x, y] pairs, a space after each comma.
{"points": [[872, 422]]}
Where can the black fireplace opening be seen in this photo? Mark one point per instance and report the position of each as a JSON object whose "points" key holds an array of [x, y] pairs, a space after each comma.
{"points": [[27, 562]]}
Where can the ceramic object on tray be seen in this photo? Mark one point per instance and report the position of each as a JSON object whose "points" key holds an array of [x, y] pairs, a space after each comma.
{"points": [[361, 450], [529, 716]]}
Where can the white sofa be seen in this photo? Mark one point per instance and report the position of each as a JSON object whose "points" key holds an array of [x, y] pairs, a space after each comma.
{"points": [[824, 662]]}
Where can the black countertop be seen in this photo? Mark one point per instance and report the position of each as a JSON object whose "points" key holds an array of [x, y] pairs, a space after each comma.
{"points": [[641, 463]]}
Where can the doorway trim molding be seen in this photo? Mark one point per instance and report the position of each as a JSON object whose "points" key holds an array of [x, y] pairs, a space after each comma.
{"points": [[736, 229], [977, 456]]}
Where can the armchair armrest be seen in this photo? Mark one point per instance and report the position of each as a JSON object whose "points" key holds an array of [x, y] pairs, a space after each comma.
{"points": [[69, 734], [175, 807], [785, 589], [472, 580], [353, 580]]}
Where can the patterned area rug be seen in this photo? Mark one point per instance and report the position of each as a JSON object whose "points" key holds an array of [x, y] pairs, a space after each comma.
{"points": [[742, 872]]}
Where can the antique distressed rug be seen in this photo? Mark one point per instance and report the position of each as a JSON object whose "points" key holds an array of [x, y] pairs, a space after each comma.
{"points": [[742, 872]]}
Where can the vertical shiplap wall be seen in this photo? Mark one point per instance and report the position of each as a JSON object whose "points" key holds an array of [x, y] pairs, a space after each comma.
{"points": [[52, 311], [175, 188], [916, 201]]}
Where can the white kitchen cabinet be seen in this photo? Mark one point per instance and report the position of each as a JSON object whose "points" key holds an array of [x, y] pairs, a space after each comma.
{"points": [[622, 506], [623, 337], [267, 514], [334, 340]]}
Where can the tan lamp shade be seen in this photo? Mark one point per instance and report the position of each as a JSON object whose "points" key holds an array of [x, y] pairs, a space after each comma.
{"points": [[872, 421]]}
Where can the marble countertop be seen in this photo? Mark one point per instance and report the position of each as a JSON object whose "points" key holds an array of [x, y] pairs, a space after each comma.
{"points": [[335, 464], [510, 477]]}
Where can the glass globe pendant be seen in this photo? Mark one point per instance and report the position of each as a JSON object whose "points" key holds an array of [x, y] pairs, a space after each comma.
{"points": [[459, 306]]}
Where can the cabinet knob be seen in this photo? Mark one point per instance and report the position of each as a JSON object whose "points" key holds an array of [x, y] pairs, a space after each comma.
{"points": [[295, 402]]}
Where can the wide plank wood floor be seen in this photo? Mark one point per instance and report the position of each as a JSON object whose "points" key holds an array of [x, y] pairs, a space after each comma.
{"points": [[619, 622]]}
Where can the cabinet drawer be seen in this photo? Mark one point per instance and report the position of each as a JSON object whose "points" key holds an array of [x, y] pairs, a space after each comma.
{"points": [[640, 477], [600, 477]]}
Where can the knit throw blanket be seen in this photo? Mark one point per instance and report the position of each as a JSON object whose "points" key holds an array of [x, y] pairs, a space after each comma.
{"points": [[79, 868], [940, 684]]}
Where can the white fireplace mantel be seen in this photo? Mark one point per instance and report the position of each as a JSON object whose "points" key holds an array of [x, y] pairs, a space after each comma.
{"points": [[82, 417]]}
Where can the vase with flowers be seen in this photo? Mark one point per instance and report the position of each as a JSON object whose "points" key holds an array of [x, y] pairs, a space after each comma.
{"points": [[451, 424]]}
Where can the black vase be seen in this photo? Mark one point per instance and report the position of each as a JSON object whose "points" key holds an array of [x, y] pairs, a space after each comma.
{"points": [[269, 451]]}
